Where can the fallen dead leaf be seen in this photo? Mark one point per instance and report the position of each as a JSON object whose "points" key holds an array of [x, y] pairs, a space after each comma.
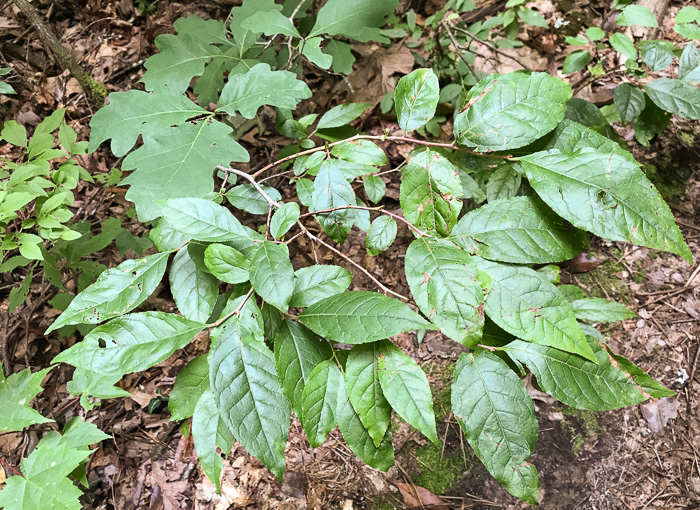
{"points": [[657, 413], [419, 497]]}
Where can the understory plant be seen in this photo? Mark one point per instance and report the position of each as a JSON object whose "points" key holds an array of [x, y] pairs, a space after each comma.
{"points": [[490, 214]]}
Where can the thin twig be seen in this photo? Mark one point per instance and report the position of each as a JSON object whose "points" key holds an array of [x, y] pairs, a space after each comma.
{"points": [[489, 46], [457, 47], [379, 209], [236, 311], [251, 179]]}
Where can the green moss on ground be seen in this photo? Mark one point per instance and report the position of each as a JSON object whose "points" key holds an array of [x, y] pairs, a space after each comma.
{"points": [[579, 426], [440, 473], [606, 276], [440, 377], [669, 177]]}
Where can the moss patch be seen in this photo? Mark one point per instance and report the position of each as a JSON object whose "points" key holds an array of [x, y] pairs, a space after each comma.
{"points": [[438, 474], [579, 426], [440, 377], [605, 276]]}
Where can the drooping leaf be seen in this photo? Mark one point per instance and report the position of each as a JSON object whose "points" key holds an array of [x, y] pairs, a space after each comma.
{"points": [[248, 394], [443, 280], [259, 86], [297, 353], [600, 310], [226, 263], [131, 343], [525, 304], [406, 388], [320, 401], [116, 292], [522, 230], [16, 392], [190, 385], [430, 192], [629, 102], [331, 189], [342, 114], [375, 187], [605, 194], [272, 274], [574, 380], [360, 20], [194, 291], [498, 419], [249, 199], [205, 426], [361, 317], [380, 235], [365, 392], [314, 283], [689, 65], [657, 54], [650, 123], [283, 219], [676, 96], [509, 111], [643, 380], [416, 98]]}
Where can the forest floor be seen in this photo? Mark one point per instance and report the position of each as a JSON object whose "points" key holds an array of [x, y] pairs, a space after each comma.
{"points": [[646, 456]]}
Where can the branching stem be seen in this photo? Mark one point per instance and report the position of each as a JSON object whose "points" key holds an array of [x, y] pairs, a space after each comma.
{"points": [[379, 209]]}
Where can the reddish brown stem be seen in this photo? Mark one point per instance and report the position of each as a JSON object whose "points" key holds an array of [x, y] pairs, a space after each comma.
{"points": [[395, 216]]}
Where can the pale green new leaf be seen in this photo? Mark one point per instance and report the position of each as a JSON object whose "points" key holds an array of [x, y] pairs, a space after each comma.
{"points": [[365, 391], [525, 304], [319, 401], [508, 111], [314, 283], [636, 15], [331, 189], [629, 102], [178, 162], [194, 290], [227, 264], [133, 113], [606, 194], [380, 235], [522, 230], [131, 343], [259, 86], [283, 219], [297, 352], [270, 23], [498, 419], [86, 383], [342, 114], [272, 274], [246, 39], [600, 310], [443, 280], [406, 388], [248, 198], [116, 292], [248, 394], [361, 317], [675, 96], [16, 392], [359, 20], [312, 50], [190, 385], [430, 192], [205, 426], [575, 381], [343, 59], [416, 98], [622, 43]]}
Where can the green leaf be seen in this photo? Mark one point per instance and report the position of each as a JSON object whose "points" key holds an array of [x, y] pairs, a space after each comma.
{"points": [[498, 419], [312, 50], [259, 86], [675, 96], [324, 387], [504, 182], [532, 17], [246, 39], [360, 151], [626, 206], [194, 291], [575, 61], [595, 33], [643, 380], [178, 162], [331, 189], [131, 343], [314, 283], [416, 98], [249, 199], [381, 234], [133, 113], [365, 392], [689, 66], [430, 192], [361, 317], [89, 383], [190, 385], [205, 426], [525, 304], [570, 136], [272, 274], [14, 133], [203, 220], [636, 15], [270, 23], [116, 292], [305, 188], [248, 394], [629, 102], [650, 123], [623, 44], [658, 55], [443, 281], [359, 20], [687, 14], [406, 388], [16, 392], [6, 88], [688, 30], [508, 111], [575, 381], [297, 352], [227, 264], [375, 187], [600, 310], [343, 59], [521, 230], [342, 114]]}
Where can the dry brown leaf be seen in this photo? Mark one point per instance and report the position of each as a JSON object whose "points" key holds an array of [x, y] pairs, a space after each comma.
{"points": [[419, 497]]}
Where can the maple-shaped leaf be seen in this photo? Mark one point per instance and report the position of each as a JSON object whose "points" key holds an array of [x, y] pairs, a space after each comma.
{"points": [[15, 394]]}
